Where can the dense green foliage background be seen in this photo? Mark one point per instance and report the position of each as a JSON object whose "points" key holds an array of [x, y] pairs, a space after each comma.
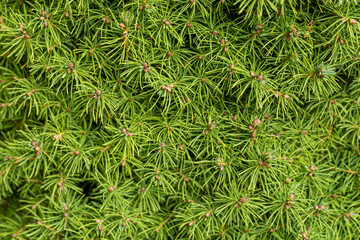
{"points": [[179, 119]]}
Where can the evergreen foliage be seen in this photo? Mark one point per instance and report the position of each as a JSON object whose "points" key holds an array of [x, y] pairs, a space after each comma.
{"points": [[179, 119]]}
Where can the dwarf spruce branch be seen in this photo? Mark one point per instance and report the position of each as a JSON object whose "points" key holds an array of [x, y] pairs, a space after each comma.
{"points": [[196, 119]]}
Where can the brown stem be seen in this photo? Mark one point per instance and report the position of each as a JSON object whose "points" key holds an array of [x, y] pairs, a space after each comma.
{"points": [[20, 230], [163, 223], [51, 229], [35, 181], [345, 171]]}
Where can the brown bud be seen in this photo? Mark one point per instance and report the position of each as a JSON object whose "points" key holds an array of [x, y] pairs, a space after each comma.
{"points": [[203, 80], [291, 196], [253, 134], [110, 189], [256, 122], [260, 78], [189, 25], [287, 206], [352, 21], [214, 33], [42, 18], [169, 54], [333, 101], [190, 224], [207, 215], [252, 74], [310, 174]]}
